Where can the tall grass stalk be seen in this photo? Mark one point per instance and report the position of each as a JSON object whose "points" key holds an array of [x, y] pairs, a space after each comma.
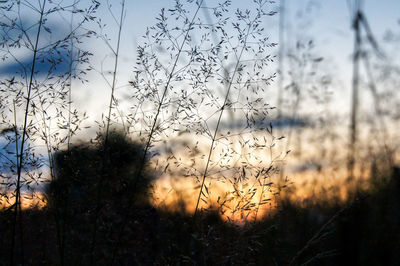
{"points": [[264, 172], [224, 105], [355, 84], [70, 68], [61, 219], [281, 71], [114, 79], [371, 40], [46, 112], [281, 58], [164, 93], [385, 136], [154, 123], [20, 161], [110, 107]]}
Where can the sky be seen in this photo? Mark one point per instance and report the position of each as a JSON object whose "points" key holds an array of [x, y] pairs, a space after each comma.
{"points": [[326, 22]]}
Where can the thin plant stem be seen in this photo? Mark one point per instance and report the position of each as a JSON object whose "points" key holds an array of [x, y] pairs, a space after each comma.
{"points": [[24, 134], [281, 58], [148, 143], [383, 128], [153, 128], [260, 200], [99, 190], [355, 84], [115, 70], [71, 60], [220, 117], [318, 235], [17, 156]]}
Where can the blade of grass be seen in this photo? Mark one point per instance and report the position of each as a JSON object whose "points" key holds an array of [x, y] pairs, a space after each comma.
{"points": [[24, 134]]}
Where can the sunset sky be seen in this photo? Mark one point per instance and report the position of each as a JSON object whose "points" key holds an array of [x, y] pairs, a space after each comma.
{"points": [[326, 23]]}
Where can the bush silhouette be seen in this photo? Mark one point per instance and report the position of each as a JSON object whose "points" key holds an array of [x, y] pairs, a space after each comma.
{"points": [[104, 172]]}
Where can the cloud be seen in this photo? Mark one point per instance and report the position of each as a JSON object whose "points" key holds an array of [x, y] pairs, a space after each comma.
{"points": [[45, 64], [49, 60], [284, 122]]}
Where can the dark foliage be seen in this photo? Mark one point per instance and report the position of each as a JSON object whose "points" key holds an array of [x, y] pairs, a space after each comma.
{"points": [[96, 183], [98, 210], [364, 231], [110, 167]]}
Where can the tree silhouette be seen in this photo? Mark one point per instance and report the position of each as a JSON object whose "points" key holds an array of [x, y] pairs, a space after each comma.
{"points": [[78, 172]]}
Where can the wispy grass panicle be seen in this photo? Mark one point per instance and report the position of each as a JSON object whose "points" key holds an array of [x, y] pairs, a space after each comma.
{"points": [[188, 76], [112, 103], [37, 82]]}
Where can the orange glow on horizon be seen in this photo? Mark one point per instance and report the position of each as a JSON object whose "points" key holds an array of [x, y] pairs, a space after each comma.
{"points": [[239, 205], [28, 200], [234, 202]]}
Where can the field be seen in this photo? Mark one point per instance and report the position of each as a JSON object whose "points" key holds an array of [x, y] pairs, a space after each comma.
{"points": [[229, 133]]}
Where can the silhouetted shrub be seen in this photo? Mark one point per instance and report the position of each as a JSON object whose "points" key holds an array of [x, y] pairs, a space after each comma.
{"points": [[104, 171]]}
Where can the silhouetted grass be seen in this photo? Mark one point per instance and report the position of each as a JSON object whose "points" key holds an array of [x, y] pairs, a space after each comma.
{"points": [[364, 230], [98, 209]]}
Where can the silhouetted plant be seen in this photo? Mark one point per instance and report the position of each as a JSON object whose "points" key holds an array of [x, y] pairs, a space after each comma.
{"points": [[197, 109], [87, 168], [205, 74], [113, 104], [37, 88], [78, 170]]}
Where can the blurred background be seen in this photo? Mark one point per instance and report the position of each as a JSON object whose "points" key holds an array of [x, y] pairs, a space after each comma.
{"points": [[332, 97]]}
